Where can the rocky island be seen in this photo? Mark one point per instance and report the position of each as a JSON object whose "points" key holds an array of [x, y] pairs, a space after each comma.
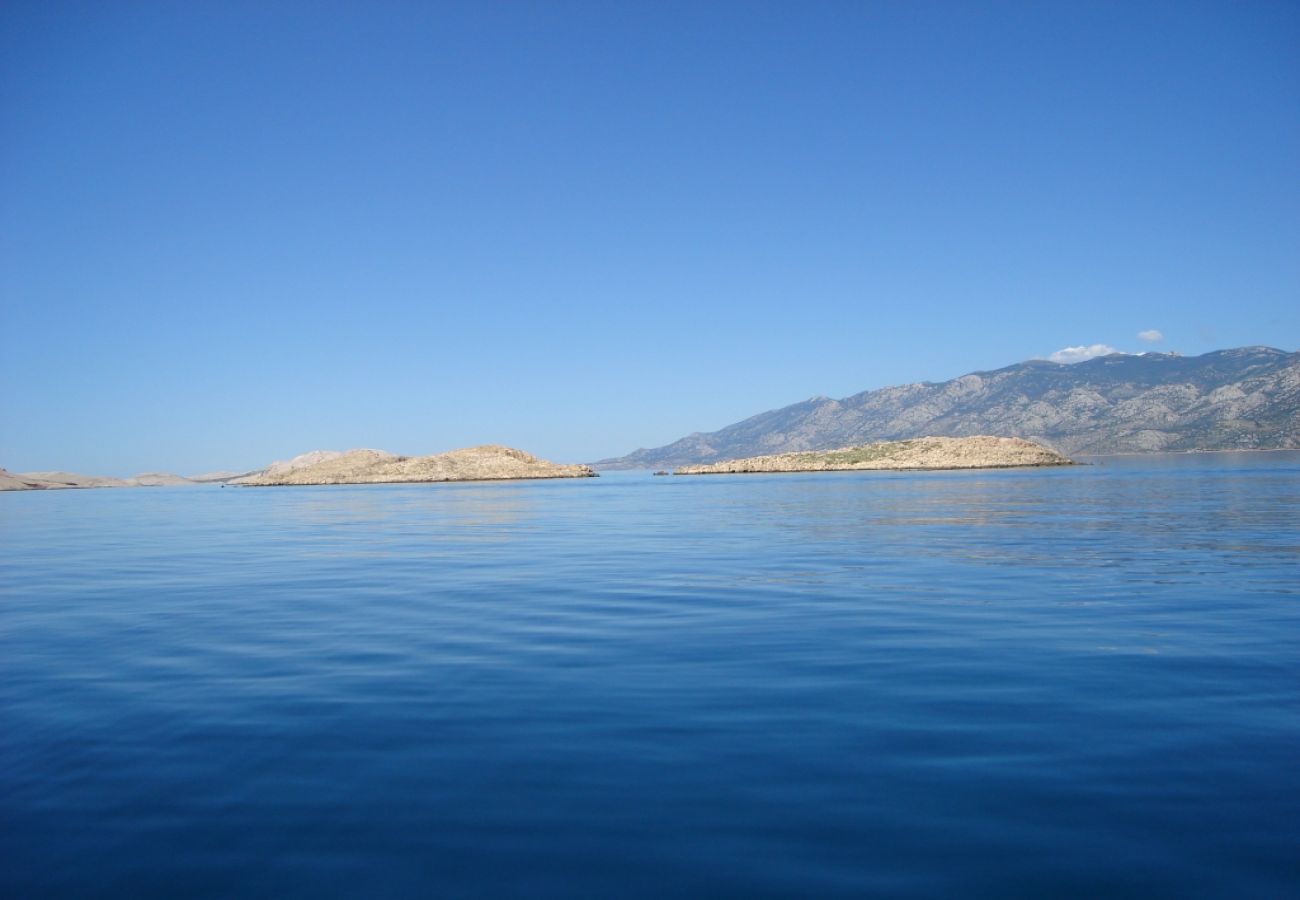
{"points": [[979, 452], [490, 462]]}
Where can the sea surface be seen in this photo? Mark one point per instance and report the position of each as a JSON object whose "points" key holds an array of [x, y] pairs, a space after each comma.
{"points": [[1053, 682]]}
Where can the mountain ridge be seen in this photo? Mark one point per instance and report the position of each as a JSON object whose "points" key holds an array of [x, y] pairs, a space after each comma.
{"points": [[1235, 399]]}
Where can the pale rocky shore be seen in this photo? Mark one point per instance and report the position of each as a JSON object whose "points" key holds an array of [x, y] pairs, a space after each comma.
{"points": [[979, 452], [490, 462]]}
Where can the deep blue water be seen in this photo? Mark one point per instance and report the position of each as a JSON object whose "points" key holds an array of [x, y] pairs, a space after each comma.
{"points": [[1071, 682]]}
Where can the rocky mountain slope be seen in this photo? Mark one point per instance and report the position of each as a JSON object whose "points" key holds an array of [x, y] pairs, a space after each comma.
{"points": [[1247, 398], [485, 463], [979, 452]]}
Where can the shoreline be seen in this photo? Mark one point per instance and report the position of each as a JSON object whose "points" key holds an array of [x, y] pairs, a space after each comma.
{"points": [[1193, 452], [1063, 465], [289, 484]]}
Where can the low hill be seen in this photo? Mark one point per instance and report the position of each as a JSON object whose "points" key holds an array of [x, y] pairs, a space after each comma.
{"points": [[71, 480], [311, 458], [28, 481], [11, 482], [486, 463], [978, 452]]}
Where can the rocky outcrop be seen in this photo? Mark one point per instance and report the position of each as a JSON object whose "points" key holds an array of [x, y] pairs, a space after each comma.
{"points": [[490, 462], [1243, 399], [311, 458], [53, 480], [43, 481], [11, 482], [978, 452]]}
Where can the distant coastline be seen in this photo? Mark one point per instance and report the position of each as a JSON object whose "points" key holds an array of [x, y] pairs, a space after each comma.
{"points": [[489, 462], [1191, 452]]}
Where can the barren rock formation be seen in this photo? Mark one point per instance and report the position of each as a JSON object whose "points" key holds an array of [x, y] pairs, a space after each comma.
{"points": [[303, 460], [11, 482], [978, 452], [38, 481], [70, 480], [485, 463]]}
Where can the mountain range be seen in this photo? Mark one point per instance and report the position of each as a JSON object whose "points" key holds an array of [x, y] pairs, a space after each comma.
{"points": [[1241, 399]]}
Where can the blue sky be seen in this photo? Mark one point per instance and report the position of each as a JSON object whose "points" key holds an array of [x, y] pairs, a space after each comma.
{"points": [[235, 232]]}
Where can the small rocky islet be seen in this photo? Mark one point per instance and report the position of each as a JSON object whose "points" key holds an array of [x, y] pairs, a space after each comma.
{"points": [[489, 462], [927, 453]]}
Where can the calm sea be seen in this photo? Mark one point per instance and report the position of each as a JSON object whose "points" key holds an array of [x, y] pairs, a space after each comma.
{"points": [[1073, 682]]}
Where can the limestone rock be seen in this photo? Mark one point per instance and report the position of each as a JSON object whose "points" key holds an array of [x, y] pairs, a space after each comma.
{"points": [[978, 452], [486, 463]]}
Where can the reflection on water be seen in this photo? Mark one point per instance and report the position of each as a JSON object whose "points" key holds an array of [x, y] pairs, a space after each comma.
{"points": [[1012, 682], [464, 505]]}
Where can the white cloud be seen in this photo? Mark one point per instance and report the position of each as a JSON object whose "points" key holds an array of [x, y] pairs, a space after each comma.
{"points": [[1079, 354], [1151, 336]]}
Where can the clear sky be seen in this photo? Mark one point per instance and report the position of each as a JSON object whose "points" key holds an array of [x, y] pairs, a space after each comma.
{"points": [[233, 232]]}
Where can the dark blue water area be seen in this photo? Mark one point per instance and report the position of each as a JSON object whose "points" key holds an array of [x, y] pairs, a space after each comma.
{"points": [[1057, 682]]}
